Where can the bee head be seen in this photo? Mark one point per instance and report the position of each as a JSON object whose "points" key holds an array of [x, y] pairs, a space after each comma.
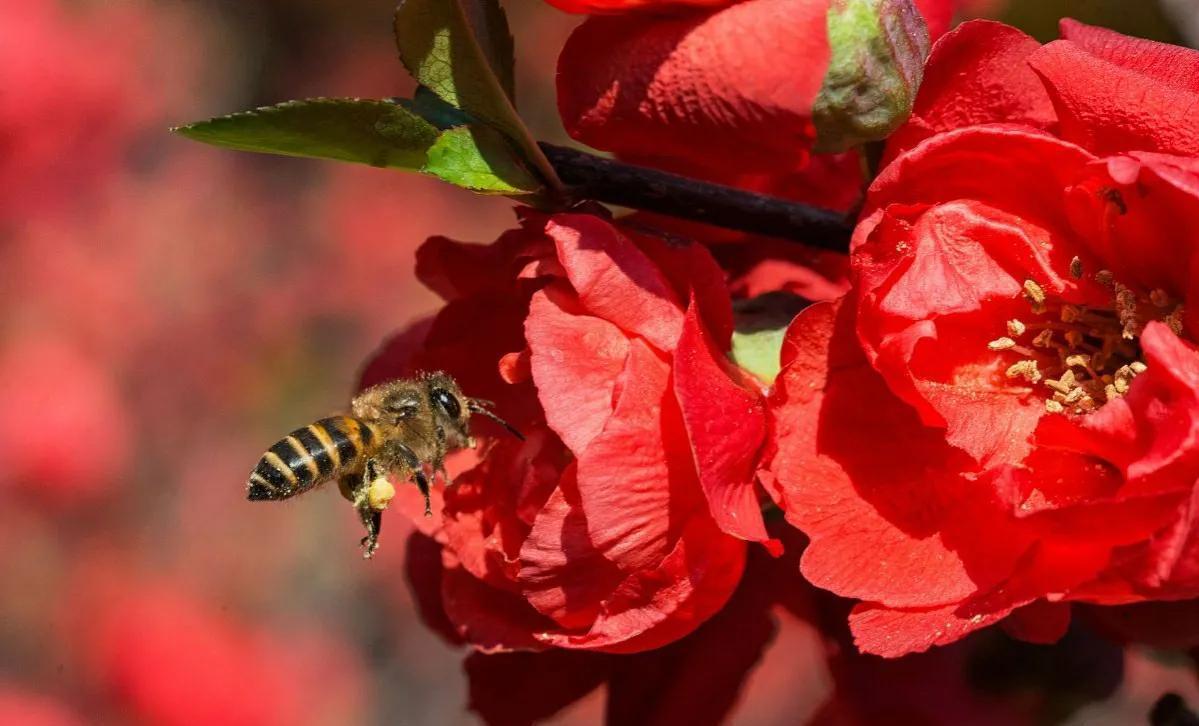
{"points": [[452, 410]]}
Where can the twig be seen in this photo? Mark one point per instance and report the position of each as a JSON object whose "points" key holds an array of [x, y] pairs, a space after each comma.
{"points": [[651, 190]]}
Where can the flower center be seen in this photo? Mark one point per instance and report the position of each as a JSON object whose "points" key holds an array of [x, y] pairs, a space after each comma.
{"points": [[1084, 356]]}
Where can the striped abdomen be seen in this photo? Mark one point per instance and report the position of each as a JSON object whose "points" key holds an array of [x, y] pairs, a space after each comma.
{"points": [[310, 456]]}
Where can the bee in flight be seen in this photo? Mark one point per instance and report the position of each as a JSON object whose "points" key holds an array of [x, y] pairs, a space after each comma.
{"points": [[405, 427]]}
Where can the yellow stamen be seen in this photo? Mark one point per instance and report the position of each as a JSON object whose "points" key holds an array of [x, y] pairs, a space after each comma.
{"points": [[1026, 369], [1015, 328]]}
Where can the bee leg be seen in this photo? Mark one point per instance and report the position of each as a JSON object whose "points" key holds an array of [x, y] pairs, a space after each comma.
{"points": [[422, 483], [370, 498], [404, 458], [373, 522]]}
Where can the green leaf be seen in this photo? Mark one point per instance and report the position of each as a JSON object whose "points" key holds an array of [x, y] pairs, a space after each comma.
{"points": [[379, 133], [430, 107], [480, 159], [760, 324], [461, 50]]}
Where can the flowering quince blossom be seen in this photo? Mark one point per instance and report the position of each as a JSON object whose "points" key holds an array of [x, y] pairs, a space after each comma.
{"points": [[710, 91], [1001, 418], [620, 523]]}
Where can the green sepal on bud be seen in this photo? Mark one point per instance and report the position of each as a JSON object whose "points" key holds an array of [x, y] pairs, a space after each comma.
{"points": [[877, 53]]}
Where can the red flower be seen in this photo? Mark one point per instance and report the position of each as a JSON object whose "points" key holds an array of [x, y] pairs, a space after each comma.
{"points": [[161, 656], [18, 706], [1001, 417], [724, 90], [52, 397], [609, 527]]}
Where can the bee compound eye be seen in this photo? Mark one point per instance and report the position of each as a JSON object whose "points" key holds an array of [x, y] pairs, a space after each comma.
{"points": [[447, 402]]}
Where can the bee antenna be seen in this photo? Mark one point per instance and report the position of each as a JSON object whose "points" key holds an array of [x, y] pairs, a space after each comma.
{"points": [[479, 406]]}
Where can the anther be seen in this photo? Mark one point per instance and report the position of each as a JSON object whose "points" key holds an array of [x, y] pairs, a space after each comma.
{"points": [[1015, 328], [1044, 339], [1026, 369], [1053, 406], [1075, 395], [1174, 320], [1076, 268], [1073, 338], [1138, 367], [1035, 295], [1159, 298], [1070, 313], [1058, 386], [1001, 344], [1105, 278]]}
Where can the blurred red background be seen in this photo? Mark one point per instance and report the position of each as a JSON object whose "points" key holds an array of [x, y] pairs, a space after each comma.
{"points": [[170, 310]]}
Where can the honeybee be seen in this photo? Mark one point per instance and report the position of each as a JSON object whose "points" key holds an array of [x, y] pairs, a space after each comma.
{"points": [[405, 427]]}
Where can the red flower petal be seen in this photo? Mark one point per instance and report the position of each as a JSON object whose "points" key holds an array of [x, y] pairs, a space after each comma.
{"points": [[1170, 65], [738, 83], [937, 284], [977, 74], [673, 567], [488, 618], [1039, 622], [892, 633], [693, 273], [654, 607], [761, 265], [726, 424], [577, 362], [562, 573], [1138, 214], [1152, 433], [875, 490], [1115, 94], [615, 280]]}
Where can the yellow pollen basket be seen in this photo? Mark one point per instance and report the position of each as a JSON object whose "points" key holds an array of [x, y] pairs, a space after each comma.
{"points": [[1083, 356]]}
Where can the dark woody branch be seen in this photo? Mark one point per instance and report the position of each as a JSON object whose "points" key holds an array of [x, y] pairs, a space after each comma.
{"points": [[651, 190]]}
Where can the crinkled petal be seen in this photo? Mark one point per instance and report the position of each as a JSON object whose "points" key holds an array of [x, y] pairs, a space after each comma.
{"points": [[562, 572], [892, 632], [1114, 94], [726, 424], [615, 280], [488, 618], [693, 273], [977, 74], [1171, 65], [577, 361], [657, 606], [877, 492], [737, 83]]}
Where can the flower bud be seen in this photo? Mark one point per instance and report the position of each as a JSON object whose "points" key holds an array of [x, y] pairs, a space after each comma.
{"points": [[877, 52]]}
